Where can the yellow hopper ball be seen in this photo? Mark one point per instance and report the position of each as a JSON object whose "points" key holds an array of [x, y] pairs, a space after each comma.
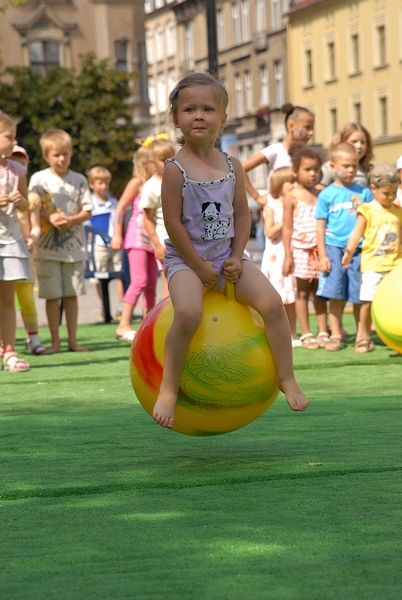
{"points": [[386, 309], [229, 377]]}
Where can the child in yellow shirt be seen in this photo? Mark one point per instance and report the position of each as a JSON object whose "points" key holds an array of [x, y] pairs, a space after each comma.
{"points": [[380, 224]]}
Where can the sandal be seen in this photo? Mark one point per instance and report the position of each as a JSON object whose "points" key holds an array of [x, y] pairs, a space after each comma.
{"points": [[334, 343], [128, 336], [364, 345], [12, 363], [38, 349], [309, 342], [323, 339]]}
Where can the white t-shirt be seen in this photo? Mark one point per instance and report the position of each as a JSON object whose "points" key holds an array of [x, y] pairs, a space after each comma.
{"points": [[10, 176], [277, 157], [69, 194], [399, 163], [151, 198]]}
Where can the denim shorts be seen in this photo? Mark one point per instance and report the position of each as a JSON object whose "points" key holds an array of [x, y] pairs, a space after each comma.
{"points": [[340, 283]]}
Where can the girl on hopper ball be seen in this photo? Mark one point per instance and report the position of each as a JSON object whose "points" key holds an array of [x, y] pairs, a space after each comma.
{"points": [[208, 222]]}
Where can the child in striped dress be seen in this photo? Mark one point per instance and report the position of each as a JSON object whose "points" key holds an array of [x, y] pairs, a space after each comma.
{"points": [[300, 242]]}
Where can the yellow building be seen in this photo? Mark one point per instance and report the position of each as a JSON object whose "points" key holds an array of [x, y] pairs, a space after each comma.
{"points": [[345, 64]]}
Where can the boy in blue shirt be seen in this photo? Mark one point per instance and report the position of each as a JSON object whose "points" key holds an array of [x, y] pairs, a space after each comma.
{"points": [[336, 217], [103, 214]]}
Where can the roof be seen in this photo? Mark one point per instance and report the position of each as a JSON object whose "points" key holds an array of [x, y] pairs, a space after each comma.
{"points": [[297, 5]]}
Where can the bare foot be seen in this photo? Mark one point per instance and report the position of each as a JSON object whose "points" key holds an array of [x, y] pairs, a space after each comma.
{"points": [[164, 409], [76, 348], [294, 396], [54, 349]]}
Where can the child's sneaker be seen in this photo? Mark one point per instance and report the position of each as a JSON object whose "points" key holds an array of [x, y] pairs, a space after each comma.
{"points": [[296, 343]]}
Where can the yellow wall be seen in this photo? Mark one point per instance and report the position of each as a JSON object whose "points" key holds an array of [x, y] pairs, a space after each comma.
{"points": [[337, 21]]}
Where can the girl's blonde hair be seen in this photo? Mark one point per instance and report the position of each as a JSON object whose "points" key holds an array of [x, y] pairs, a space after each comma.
{"points": [[6, 122], [142, 167], [197, 80], [344, 134], [279, 178]]}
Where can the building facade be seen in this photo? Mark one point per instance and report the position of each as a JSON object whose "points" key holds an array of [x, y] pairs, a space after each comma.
{"points": [[44, 34], [345, 64], [252, 61]]}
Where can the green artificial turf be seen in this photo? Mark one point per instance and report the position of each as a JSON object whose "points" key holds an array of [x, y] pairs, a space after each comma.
{"points": [[97, 502]]}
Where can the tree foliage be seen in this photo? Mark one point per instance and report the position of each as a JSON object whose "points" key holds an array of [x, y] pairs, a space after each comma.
{"points": [[92, 106]]}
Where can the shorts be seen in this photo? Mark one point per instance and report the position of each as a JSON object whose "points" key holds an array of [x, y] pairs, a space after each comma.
{"points": [[369, 285], [13, 268], [340, 283], [107, 259], [305, 262], [60, 279]]}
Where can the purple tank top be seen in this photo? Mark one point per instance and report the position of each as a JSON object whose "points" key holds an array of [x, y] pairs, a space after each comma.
{"points": [[207, 215]]}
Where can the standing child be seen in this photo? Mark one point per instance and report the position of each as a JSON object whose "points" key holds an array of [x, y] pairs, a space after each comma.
{"points": [[208, 221], [299, 124], [380, 224], [336, 217], [151, 203], [61, 250], [360, 138], [274, 254], [30, 228], [300, 243], [141, 255], [14, 254], [103, 217]]}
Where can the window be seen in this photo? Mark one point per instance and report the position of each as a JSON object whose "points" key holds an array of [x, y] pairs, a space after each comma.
{"points": [[355, 52], [170, 38], [261, 16], [264, 83], [220, 25], [331, 67], [161, 93], [357, 112], [149, 47], [121, 54], [160, 44], [245, 20], [279, 84], [239, 96], [148, 6], [172, 80], [43, 56], [383, 114], [151, 96], [235, 25], [276, 15], [308, 66], [188, 42], [381, 45], [248, 84], [158, 4], [333, 120]]}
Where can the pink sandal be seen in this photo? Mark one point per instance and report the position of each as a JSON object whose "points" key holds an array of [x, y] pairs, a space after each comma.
{"points": [[12, 363], [38, 349]]}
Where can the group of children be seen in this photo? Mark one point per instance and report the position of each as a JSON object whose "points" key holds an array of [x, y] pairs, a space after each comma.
{"points": [[190, 219], [325, 231]]}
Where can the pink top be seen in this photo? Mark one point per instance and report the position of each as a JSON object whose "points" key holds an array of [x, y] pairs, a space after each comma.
{"points": [[304, 234], [136, 235]]}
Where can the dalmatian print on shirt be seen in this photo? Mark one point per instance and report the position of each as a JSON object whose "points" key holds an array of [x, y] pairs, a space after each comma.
{"points": [[215, 229]]}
